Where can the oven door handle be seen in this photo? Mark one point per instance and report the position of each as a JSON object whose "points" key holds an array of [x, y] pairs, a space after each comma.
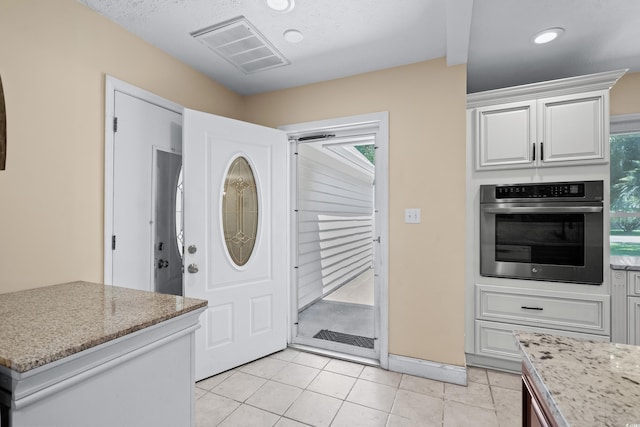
{"points": [[545, 209]]}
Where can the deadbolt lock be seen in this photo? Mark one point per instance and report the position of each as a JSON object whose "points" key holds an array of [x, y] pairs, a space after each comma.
{"points": [[192, 249]]}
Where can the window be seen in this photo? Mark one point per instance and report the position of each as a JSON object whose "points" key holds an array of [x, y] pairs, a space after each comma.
{"points": [[179, 209], [240, 211], [368, 151], [625, 185]]}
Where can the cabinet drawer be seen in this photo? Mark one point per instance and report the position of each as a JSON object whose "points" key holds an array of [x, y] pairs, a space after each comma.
{"points": [[633, 282], [495, 339], [586, 313]]}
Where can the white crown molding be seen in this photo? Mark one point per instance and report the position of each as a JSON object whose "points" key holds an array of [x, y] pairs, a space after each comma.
{"points": [[625, 123], [590, 82]]}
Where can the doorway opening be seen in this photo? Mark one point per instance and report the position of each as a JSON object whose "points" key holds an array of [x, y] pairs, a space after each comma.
{"points": [[167, 222], [339, 197]]}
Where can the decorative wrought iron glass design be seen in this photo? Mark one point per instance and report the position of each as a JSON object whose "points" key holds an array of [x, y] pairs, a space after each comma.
{"points": [[179, 209], [240, 211]]}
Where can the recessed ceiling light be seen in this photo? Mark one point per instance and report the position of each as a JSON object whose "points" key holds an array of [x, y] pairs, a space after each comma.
{"points": [[547, 35], [293, 36], [281, 5]]}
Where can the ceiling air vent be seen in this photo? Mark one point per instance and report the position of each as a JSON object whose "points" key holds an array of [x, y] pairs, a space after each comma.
{"points": [[242, 45]]}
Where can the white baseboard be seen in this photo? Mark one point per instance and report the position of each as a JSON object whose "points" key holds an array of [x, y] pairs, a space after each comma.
{"points": [[426, 369]]}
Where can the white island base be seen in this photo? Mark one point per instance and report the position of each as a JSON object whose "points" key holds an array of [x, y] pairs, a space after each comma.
{"points": [[145, 378]]}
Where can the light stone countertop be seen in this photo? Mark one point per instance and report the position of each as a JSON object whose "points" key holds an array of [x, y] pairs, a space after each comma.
{"points": [[629, 263], [39, 326], [584, 383]]}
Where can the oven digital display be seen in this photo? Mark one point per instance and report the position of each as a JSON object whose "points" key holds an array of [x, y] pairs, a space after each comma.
{"points": [[532, 191]]}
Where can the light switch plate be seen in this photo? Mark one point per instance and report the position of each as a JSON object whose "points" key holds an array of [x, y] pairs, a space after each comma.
{"points": [[412, 216]]}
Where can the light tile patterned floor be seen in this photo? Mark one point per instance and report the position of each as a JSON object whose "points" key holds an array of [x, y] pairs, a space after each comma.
{"points": [[293, 388]]}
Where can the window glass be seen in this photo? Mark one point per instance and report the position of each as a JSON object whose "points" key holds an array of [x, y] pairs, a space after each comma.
{"points": [[368, 151], [240, 211], [625, 192], [179, 218]]}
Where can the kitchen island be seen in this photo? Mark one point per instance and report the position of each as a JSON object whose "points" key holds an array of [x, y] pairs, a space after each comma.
{"points": [[573, 382], [79, 354]]}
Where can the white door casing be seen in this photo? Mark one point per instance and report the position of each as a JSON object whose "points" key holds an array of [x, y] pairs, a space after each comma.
{"points": [[377, 125], [247, 313]]}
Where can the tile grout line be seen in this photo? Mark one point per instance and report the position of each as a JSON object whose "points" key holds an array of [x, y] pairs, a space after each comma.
{"points": [[360, 376]]}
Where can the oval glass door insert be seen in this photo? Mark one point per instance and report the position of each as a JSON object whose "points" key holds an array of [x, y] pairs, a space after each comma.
{"points": [[240, 211]]}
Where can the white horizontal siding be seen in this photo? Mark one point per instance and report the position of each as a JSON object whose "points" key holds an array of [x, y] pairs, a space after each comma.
{"points": [[335, 223]]}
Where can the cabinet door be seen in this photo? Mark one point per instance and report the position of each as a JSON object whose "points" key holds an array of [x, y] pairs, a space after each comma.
{"points": [[633, 314], [572, 129], [633, 278], [504, 135]]}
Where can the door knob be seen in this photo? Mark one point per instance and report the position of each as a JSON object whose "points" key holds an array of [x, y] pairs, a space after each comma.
{"points": [[193, 268]]}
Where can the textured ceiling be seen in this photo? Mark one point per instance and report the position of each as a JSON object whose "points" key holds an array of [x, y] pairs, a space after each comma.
{"points": [[341, 37], [347, 37]]}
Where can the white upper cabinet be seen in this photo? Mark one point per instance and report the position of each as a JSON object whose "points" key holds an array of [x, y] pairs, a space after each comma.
{"points": [[559, 123], [506, 134], [573, 128]]}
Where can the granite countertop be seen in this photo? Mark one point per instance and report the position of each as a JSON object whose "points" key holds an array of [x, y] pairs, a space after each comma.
{"points": [[39, 326], [584, 383]]}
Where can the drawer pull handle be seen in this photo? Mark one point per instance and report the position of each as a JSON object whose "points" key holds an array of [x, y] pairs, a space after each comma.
{"points": [[524, 307]]}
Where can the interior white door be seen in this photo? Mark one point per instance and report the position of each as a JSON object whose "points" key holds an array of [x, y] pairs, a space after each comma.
{"points": [[247, 313], [142, 127]]}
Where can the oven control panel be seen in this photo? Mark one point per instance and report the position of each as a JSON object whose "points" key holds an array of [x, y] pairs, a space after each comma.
{"points": [[531, 191]]}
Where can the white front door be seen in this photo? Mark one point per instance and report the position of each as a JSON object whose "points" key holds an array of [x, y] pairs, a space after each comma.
{"points": [[247, 289]]}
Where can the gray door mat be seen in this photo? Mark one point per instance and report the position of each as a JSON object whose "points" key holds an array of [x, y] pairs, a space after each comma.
{"points": [[342, 338]]}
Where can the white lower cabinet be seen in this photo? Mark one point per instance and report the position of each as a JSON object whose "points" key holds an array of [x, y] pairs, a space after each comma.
{"points": [[145, 378], [633, 281], [625, 306], [633, 318], [633, 307], [500, 310]]}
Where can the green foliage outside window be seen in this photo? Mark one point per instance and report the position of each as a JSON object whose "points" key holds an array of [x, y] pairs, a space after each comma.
{"points": [[625, 192], [368, 151]]}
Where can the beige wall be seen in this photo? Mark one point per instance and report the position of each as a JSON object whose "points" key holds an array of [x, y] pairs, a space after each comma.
{"points": [[54, 57], [625, 95], [426, 104]]}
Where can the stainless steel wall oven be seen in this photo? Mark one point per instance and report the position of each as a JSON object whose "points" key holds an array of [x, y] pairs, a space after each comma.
{"points": [[542, 231]]}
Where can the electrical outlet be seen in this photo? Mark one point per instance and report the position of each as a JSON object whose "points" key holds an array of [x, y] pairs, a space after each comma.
{"points": [[412, 216]]}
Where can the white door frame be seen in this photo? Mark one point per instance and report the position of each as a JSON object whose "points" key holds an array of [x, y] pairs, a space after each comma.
{"points": [[113, 85], [364, 121]]}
